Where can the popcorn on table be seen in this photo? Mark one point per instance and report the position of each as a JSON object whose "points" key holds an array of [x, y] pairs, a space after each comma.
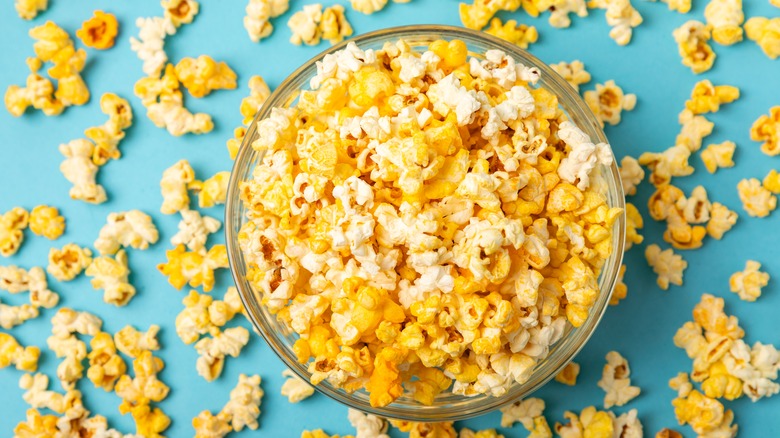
{"points": [[634, 222], [621, 289], [138, 392], [195, 268], [212, 191], [174, 187], [477, 15], [67, 263], [295, 388], [194, 230], [573, 72], [111, 275], [718, 156], [756, 199], [29, 9], [12, 353], [47, 222], [133, 343], [16, 280], [667, 265], [681, 6], [616, 381], [149, 46], [132, 228], [367, 425], [621, 16], [569, 373], [766, 33], [608, 102], [520, 35], [250, 105], [202, 75], [767, 129], [180, 11], [242, 410], [726, 18], [259, 14], [12, 226], [748, 283], [631, 174], [693, 44], [99, 31]]}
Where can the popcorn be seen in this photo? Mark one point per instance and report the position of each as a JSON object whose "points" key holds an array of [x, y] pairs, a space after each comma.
{"points": [[11, 353], [634, 222], [334, 24], [107, 136], [591, 422], [721, 220], [584, 156], [621, 16], [573, 72], [111, 275], [771, 182], [28, 9], [38, 396], [568, 375], [173, 186], [12, 224], [212, 350], [105, 365], [203, 75], [756, 200], [258, 94], [38, 92], [717, 156], [16, 280], [748, 283], [137, 393], [631, 174], [64, 343], [756, 367], [692, 42], [559, 12], [196, 267], [258, 17], [180, 11], [134, 343], [305, 25], [667, 164], [212, 191], [621, 290], [368, 7], [667, 265], [726, 18], [488, 433], [194, 320], [207, 425], [367, 425], [99, 31], [477, 15], [79, 169], [627, 424], [47, 222], [11, 316], [523, 411], [132, 228], [149, 44], [767, 129], [766, 33], [704, 414], [706, 97], [67, 263], [519, 34], [244, 405], [608, 101], [694, 129], [234, 143], [668, 433], [681, 6], [616, 381], [194, 230]]}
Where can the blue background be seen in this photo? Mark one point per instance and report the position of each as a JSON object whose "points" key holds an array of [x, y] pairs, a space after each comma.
{"points": [[641, 327]]}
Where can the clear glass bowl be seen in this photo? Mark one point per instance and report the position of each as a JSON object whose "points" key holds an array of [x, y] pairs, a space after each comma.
{"points": [[447, 406]]}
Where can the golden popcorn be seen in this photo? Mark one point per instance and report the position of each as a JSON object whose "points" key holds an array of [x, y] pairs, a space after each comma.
{"points": [[305, 25], [608, 101], [173, 187], [692, 42], [665, 165], [721, 220], [667, 265], [334, 24], [591, 423], [621, 16], [771, 182], [38, 92], [105, 365], [180, 11], [368, 7], [258, 17], [681, 6], [99, 31], [487, 433], [634, 222], [704, 414], [726, 18], [748, 283], [195, 267], [716, 156], [138, 392], [319, 433], [569, 373], [706, 98], [694, 129], [521, 35], [107, 136], [668, 433], [767, 129], [766, 33], [477, 15], [66, 263], [111, 275], [23, 358], [573, 72], [36, 425], [133, 343], [47, 222], [212, 191], [616, 382], [132, 228], [258, 94], [207, 425], [756, 200], [202, 75], [12, 225], [621, 289], [28, 9]]}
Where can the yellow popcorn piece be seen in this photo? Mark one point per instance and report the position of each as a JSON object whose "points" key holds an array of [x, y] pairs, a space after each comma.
{"points": [[706, 98], [207, 425], [721, 220], [726, 18], [38, 92], [212, 350], [133, 343], [634, 222], [631, 174], [132, 228], [621, 290], [667, 265], [748, 283], [107, 136], [180, 11], [12, 353], [259, 14], [234, 144], [212, 191], [105, 365], [334, 25], [67, 263], [258, 94], [693, 44], [720, 384], [202, 75], [590, 423], [81, 171], [173, 187], [520, 35], [608, 102], [573, 72], [756, 200], [36, 425], [616, 381], [716, 156], [771, 182], [681, 6], [766, 33], [665, 165], [138, 392], [111, 275], [196, 267], [668, 433], [621, 16], [560, 10], [705, 415], [477, 15], [12, 225], [99, 31], [568, 375], [29, 9], [368, 7], [767, 129], [487, 433], [305, 25], [47, 222], [319, 433]]}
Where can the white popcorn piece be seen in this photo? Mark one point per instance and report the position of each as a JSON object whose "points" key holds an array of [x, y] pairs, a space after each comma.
{"points": [[631, 174], [111, 275], [523, 411], [38, 396], [12, 316], [367, 425], [14, 279], [132, 228], [194, 230], [131, 342], [258, 17], [368, 7], [726, 18], [627, 425], [68, 321], [616, 381], [448, 95], [583, 157], [756, 199], [212, 351], [622, 17], [79, 169], [244, 405], [305, 25], [756, 367], [149, 46], [176, 119], [502, 68], [222, 311], [295, 388], [173, 187], [559, 15], [667, 265], [748, 283]]}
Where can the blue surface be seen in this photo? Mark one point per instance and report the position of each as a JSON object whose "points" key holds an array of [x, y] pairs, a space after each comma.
{"points": [[641, 327]]}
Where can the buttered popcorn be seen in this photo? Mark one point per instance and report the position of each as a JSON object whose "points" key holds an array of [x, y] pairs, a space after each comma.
{"points": [[520, 35], [12, 225], [748, 283], [242, 410], [477, 15], [693, 44], [250, 105], [667, 265], [133, 343], [569, 373], [29, 9], [137, 394], [259, 13], [132, 228], [717, 156], [631, 174], [16, 280], [111, 275], [66, 263], [608, 102], [622, 16], [195, 268], [616, 382], [681, 6], [211, 191], [174, 187], [149, 46], [573, 72], [425, 196], [194, 230], [295, 388], [12, 353], [47, 222], [766, 33], [767, 129], [756, 199], [726, 18], [201, 75]]}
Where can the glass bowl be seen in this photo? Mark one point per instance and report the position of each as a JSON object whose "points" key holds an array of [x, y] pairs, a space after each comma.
{"points": [[447, 406]]}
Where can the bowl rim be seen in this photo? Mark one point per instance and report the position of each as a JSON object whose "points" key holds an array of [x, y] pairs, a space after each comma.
{"points": [[615, 190]]}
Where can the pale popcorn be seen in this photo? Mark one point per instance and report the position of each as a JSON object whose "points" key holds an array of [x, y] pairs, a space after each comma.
{"points": [[28, 9], [194, 230], [79, 169], [222, 311], [608, 102], [667, 265], [748, 283], [11, 353], [559, 15], [523, 411], [756, 200], [631, 174], [716, 156], [295, 388], [627, 425], [11, 316], [692, 41], [133, 343], [194, 320], [258, 17], [212, 191], [766, 33], [212, 351], [368, 7], [258, 94], [681, 6], [757, 368], [721, 220], [207, 425], [111, 275], [173, 186], [132, 228], [177, 120], [448, 95], [138, 392], [304, 25], [14, 279], [367, 425], [149, 46], [726, 18], [47, 222], [694, 129], [40, 294], [67, 263], [695, 209], [12, 225], [583, 157], [621, 16], [667, 164], [37, 394], [573, 72], [244, 405], [616, 381]]}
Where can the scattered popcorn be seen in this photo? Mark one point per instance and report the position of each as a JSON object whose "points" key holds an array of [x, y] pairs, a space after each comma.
{"points": [[38, 92], [137, 393], [627, 425], [99, 31], [38, 396], [771, 182], [756, 200], [16, 280], [305, 25], [668, 433], [258, 17], [212, 350], [67, 263], [477, 15], [681, 6], [529, 412], [766, 33], [442, 429], [616, 381], [12, 225], [295, 388], [621, 289], [368, 7], [367, 425], [149, 44], [105, 365], [195, 267], [748, 283], [107, 136], [64, 325], [721, 220], [631, 174], [47, 222], [319, 433], [726, 18], [334, 24], [560, 10], [203, 75], [134, 343], [173, 187], [705, 415], [692, 42], [244, 405], [573, 72], [520, 35], [767, 129], [28, 9], [665, 165], [132, 228], [212, 191], [716, 156], [12, 316], [706, 98], [568, 375], [207, 425], [11, 353], [194, 319], [634, 222], [694, 129], [180, 11], [621, 16], [591, 423], [667, 265], [111, 275], [194, 230], [79, 169], [608, 101], [584, 155], [487, 433], [258, 94]]}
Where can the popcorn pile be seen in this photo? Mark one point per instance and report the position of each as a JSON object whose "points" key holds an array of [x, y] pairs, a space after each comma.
{"points": [[423, 214], [311, 24]]}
